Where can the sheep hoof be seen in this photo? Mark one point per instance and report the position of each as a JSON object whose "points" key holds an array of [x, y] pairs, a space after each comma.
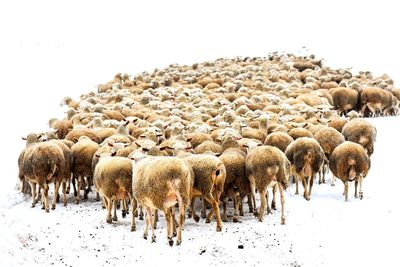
{"points": [[178, 242], [133, 228], [219, 228], [33, 205], [196, 218], [235, 220], [153, 239], [67, 191], [47, 210], [65, 204], [141, 217], [307, 198], [361, 195], [208, 220], [43, 207], [203, 215], [255, 213], [115, 218], [109, 220], [145, 236], [241, 213], [260, 219], [76, 201], [53, 207], [224, 219], [170, 242], [283, 221], [273, 205], [123, 214], [269, 211], [332, 184]]}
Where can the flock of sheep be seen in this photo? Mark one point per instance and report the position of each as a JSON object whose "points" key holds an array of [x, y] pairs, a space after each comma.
{"points": [[220, 130]]}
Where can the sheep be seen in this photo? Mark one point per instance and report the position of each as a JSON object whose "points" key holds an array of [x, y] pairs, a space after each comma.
{"points": [[337, 123], [160, 183], [63, 127], [375, 100], [82, 153], [75, 134], [329, 138], [296, 133], [209, 178], [42, 164], [236, 183], [198, 138], [208, 146], [306, 157], [350, 162], [344, 99], [267, 166], [113, 181], [362, 132], [280, 140]]}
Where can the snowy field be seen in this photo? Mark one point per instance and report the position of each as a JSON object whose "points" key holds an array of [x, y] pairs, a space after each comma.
{"points": [[52, 49], [325, 231]]}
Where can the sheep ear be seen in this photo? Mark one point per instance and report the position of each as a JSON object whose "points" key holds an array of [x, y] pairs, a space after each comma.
{"points": [[238, 137], [127, 122], [136, 143], [110, 145], [145, 149], [165, 147], [245, 145], [189, 139], [126, 145], [56, 132], [97, 155], [24, 138], [113, 154], [135, 120], [259, 144], [188, 147], [217, 154]]}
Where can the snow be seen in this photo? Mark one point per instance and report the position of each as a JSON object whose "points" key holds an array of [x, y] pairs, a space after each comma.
{"points": [[51, 50]]}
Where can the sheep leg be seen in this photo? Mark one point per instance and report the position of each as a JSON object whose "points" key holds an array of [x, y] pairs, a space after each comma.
{"points": [[56, 189], [64, 191], [273, 205], [356, 187], [155, 219], [33, 191], [263, 199], [196, 217], [148, 222], [346, 190], [237, 202], [39, 194], [78, 191], [68, 184], [333, 180], [311, 183], [124, 207], [282, 195], [73, 184], [45, 196], [296, 180], [86, 187], [215, 209], [224, 216], [181, 217], [134, 207], [168, 217], [361, 190], [253, 194], [115, 218], [203, 209], [320, 176], [267, 201], [241, 213], [304, 181], [108, 204]]}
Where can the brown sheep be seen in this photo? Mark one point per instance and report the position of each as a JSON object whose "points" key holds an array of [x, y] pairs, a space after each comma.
{"points": [[209, 178], [296, 133], [362, 132], [113, 181], [75, 134], [350, 162], [236, 183], [280, 140], [43, 163], [160, 183], [267, 166], [306, 157], [82, 153], [198, 138], [208, 146], [63, 127], [337, 123], [329, 138], [344, 99]]}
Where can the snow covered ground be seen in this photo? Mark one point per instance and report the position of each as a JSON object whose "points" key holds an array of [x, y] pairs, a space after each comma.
{"points": [[52, 49], [325, 231]]}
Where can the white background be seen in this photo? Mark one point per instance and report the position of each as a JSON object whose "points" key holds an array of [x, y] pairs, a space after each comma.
{"points": [[50, 49]]}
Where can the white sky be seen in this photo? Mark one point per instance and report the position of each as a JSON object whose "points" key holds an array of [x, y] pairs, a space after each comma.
{"points": [[50, 49]]}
